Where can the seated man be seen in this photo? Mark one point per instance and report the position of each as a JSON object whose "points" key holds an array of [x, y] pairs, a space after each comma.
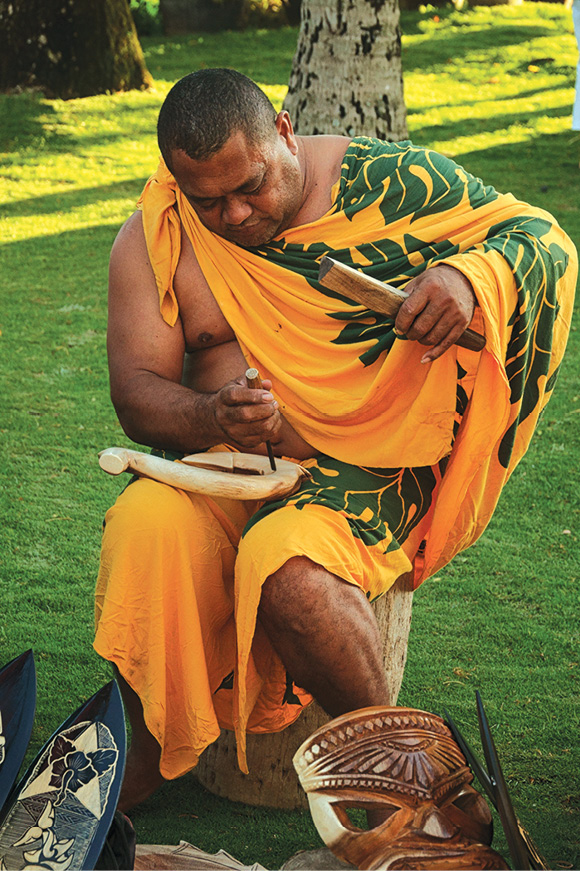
{"points": [[230, 614]]}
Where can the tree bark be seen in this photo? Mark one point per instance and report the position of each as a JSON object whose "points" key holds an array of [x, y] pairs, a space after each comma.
{"points": [[70, 48], [347, 75]]}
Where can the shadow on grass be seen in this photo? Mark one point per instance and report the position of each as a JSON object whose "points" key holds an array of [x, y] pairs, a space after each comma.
{"points": [[46, 271], [22, 120], [472, 126], [28, 121], [511, 97], [543, 171], [66, 200], [263, 55], [440, 46]]}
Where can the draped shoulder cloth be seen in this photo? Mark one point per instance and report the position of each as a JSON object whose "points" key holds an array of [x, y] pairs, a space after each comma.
{"points": [[343, 379]]}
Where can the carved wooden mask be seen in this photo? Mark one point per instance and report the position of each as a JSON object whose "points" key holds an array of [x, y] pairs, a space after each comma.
{"points": [[403, 766]]}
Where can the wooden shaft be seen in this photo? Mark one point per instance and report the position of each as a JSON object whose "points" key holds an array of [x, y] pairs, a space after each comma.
{"points": [[254, 381], [377, 296]]}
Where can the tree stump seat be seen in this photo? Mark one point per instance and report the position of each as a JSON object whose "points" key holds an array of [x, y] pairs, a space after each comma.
{"points": [[272, 781]]}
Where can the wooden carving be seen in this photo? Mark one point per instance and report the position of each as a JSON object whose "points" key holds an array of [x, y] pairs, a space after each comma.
{"points": [[404, 767], [227, 474]]}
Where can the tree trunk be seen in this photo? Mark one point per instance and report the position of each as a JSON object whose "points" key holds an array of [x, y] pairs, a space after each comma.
{"points": [[272, 781], [346, 75], [185, 16], [70, 48]]}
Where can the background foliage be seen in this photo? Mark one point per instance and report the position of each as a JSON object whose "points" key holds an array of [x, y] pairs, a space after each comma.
{"points": [[492, 88]]}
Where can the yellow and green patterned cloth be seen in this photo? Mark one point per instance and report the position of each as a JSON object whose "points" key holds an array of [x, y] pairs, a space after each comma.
{"points": [[342, 379], [412, 458]]}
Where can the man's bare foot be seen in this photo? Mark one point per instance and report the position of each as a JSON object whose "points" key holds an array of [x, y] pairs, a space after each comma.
{"points": [[142, 778]]}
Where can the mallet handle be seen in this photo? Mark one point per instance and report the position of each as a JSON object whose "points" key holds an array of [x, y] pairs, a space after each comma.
{"points": [[377, 296]]}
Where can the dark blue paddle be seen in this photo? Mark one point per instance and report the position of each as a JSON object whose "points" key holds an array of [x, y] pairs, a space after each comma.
{"points": [[17, 706], [61, 810]]}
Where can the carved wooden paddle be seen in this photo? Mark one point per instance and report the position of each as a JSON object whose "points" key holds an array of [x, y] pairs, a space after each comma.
{"points": [[60, 812], [17, 706]]}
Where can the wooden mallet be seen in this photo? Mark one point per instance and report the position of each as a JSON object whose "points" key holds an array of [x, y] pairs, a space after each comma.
{"points": [[377, 296]]}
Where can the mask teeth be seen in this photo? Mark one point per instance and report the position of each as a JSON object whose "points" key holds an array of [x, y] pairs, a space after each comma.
{"points": [[312, 784]]}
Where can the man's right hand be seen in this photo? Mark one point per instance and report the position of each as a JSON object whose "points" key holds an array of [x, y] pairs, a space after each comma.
{"points": [[247, 416]]}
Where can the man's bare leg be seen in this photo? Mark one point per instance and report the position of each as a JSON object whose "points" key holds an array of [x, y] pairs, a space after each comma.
{"points": [[325, 632], [142, 776]]}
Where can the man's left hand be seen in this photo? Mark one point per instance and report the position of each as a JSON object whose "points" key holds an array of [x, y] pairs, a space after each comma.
{"points": [[439, 308]]}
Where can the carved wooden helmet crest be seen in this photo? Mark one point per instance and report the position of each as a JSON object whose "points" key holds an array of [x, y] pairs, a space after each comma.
{"points": [[405, 764]]}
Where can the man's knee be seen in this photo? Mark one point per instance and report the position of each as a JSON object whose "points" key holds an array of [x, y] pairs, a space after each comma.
{"points": [[301, 594], [149, 511]]}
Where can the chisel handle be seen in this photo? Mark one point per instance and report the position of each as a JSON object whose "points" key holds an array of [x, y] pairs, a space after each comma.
{"points": [[254, 381]]}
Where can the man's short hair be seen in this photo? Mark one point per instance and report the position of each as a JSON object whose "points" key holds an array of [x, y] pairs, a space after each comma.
{"points": [[205, 108]]}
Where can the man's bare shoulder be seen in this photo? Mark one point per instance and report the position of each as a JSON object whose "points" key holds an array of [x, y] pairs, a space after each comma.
{"points": [[130, 240], [329, 149], [322, 157]]}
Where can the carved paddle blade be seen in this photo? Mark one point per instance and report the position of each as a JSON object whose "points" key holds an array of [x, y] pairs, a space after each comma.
{"points": [[62, 808], [224, 461], [17, 706]]}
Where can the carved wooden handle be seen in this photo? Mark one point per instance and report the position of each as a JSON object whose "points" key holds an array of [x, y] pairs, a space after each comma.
{"points": [[377, 296]]}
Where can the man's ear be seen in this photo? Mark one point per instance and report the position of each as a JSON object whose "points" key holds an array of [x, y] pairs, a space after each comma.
{"points": [[286, 131]]}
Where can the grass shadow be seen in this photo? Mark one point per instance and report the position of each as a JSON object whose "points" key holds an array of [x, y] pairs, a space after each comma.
{"points": [[76, 198], [263, 55], [23, 120], [439, 47], [472, 126]]}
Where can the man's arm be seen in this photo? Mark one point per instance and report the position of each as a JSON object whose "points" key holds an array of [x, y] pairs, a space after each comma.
{"points": [[146, 361]]}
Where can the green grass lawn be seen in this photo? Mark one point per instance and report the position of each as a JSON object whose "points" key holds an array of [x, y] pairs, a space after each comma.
{"points": [[491, 87]]}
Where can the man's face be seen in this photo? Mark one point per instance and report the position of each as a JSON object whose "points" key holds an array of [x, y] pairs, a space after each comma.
{"points": [[246, 193]]}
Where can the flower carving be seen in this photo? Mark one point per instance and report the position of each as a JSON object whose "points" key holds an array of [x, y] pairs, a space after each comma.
{"points": [[71, 768]]}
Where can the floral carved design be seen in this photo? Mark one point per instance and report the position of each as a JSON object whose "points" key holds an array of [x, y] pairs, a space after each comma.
{"points": [[71, 768], [53, 821]]}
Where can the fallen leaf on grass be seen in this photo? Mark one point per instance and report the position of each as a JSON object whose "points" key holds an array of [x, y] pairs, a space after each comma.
{"points": [[459, 672]]}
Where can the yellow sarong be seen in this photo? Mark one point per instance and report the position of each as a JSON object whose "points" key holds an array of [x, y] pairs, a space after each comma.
{"points": [[361, 397]]}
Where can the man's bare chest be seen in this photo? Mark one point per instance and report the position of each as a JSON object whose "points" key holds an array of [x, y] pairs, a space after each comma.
{"points": [[204, 325]]}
